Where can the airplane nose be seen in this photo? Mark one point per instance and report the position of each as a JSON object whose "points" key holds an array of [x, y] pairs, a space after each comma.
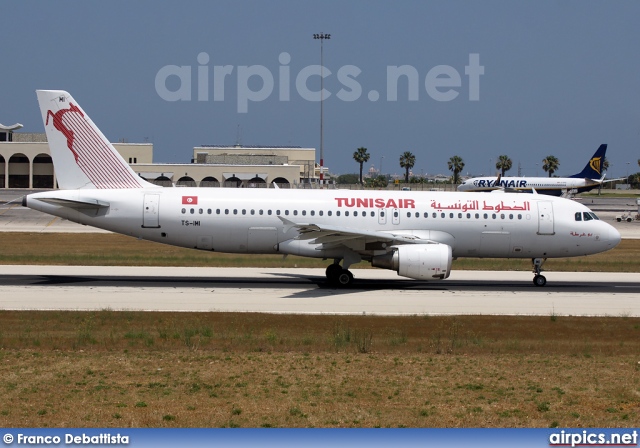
{"points": [[614, 236]]}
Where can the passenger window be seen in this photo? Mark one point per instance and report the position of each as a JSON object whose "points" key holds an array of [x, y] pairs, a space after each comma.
{"points": [[435, 215], [426, 215], [468, 215], [184, 210], [269, 212], [226, 211], [459, 215], [193, 211], [442, 215], [417, 214], [494, 216], [329, 213], [501, 215], [321, 213], [253, 212], [486, 216], [373, 214], [395, 214], [295, 213], [261, 212], [244, 212], [346, 213], [477, 215], [200, 211], [235, 211], [408, 214], [277, 212], [511, 216], [313, 213], [578, 216], [304, 213], [338, 213], [217, 211], [355, 213], [450, 215], [286, 212], [382, 214], [519, 216]]}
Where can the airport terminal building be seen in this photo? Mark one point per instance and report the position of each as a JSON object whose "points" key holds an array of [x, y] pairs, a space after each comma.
{"points": [[25, 162]]}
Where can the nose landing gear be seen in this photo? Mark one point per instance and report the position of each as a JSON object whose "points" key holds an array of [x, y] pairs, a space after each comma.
{"points": [[538, 279]]}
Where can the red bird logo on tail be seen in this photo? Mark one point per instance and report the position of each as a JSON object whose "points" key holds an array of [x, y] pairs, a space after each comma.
{"points": [[59, 125]]}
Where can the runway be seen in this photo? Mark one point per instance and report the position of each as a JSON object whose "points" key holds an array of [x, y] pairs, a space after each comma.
{"points": [[377, 292]]}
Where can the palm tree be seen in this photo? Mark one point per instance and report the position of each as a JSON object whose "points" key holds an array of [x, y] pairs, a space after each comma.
{"points": [[361, 156], [503, 164], [456, 165], [550, 164], [407, 161]]}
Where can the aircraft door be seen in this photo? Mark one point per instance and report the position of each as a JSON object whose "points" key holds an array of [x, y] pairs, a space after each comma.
{"points": [[395, 216], [382, 216], [545, 218], [150, 213]]}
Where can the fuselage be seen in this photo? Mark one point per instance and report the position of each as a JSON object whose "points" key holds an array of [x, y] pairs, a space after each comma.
{"points": [[231, 220], [554, 186]]}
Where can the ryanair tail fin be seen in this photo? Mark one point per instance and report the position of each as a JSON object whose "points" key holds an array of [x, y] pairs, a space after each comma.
{"points": [[595, 167], [82, 155]]}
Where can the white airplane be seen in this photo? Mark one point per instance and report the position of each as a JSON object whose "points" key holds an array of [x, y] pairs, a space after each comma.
{"points": [[416, 234], [592, 176]]}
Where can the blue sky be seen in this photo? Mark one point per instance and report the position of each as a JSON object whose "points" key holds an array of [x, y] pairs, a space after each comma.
{"points": [[560, 78]]}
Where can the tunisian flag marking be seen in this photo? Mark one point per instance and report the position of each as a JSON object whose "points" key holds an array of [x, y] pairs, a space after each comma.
{"points": [[191, 200]]}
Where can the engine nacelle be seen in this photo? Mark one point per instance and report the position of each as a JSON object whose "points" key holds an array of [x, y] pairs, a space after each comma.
{"points": [[418, 261]]}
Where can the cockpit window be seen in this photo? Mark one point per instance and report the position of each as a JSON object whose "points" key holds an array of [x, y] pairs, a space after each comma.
{"points": [[587, 216], [594, 216], [578, 216]]}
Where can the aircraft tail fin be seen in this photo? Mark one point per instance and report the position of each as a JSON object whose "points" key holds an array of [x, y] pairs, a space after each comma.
{"points": [[82, 155], [595, 167]]}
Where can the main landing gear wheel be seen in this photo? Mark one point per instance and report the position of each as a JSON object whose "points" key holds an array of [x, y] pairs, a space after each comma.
{"points": [[538, 279], [338, 276], [345, 278]]}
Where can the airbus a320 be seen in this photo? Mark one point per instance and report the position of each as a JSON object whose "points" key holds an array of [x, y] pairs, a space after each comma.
{"points": [[416, 234]]}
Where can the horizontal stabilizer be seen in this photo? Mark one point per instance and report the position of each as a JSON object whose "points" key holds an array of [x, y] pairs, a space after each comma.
{"points": [[77, 204]]}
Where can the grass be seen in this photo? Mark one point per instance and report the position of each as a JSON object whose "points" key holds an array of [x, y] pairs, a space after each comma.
{"points": [[464, 371], [97, 249], [137, 369]]}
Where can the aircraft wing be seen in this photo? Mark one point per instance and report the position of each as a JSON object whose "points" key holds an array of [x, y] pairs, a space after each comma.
{"points": [[332, 236]]}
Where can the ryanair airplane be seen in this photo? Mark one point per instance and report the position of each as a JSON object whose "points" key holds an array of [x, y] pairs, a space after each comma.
{"points": [[416, 234], [590, 177]]}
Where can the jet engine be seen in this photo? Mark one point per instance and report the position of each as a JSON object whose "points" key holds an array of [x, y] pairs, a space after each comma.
{"points": [[418, 261]]}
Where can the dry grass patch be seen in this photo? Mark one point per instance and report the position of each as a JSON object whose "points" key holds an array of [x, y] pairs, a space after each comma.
{"points": [[99, 249], [86, 369]]}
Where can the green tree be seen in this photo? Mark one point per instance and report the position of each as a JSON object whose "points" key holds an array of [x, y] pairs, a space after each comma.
{"points": [[407, 161], [550, 164], [503, 164], [377, 182], [361, 156], [456, 165], [347, 179]]}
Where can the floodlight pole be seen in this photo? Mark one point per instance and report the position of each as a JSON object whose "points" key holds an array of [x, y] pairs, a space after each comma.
{"points": [[321, 37]]}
